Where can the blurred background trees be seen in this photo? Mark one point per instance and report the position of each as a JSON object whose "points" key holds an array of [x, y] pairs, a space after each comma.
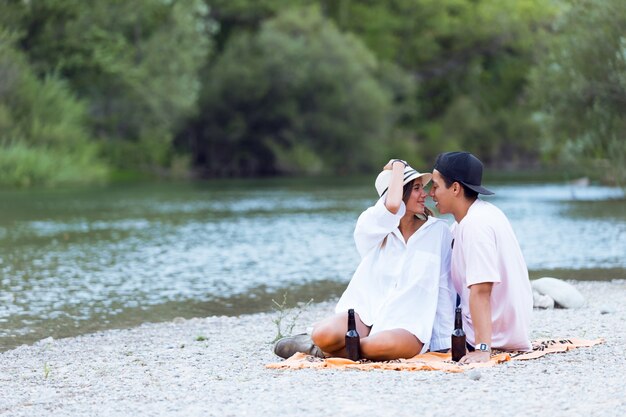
{"points": [[580, 87], [43, 126], [133, 64], [298, 96], [96, 90]]}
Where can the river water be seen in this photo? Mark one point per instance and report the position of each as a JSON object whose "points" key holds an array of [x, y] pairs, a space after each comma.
{"points": [[81, 260]]}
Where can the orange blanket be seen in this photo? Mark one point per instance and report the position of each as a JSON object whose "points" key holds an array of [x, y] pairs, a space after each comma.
{"points": [[433, 361]]}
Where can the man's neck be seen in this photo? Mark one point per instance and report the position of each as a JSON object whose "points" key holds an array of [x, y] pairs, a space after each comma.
{"points": [[462, 209]]}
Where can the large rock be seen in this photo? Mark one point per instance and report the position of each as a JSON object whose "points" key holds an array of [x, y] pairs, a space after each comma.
{"points": [[564, 295], [542, 300]]}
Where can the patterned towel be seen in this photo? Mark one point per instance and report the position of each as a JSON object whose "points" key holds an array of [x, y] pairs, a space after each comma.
{"points": [[433, 361]]}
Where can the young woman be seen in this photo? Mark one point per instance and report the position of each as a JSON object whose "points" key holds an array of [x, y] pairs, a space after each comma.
{"points": [[401, 291]]}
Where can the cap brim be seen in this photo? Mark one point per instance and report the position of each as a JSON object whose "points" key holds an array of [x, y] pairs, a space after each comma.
{"points": [[478, 188]]}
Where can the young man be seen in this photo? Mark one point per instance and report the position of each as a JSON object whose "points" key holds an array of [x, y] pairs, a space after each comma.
{"points": [[488, 269]]}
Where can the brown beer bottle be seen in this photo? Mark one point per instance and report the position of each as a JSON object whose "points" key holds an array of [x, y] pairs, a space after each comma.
{"points": [[458, 337], [353, 341]]}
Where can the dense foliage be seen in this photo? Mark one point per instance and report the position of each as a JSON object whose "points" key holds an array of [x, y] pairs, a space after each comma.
{"points": [[134, 64], [580, 87], [471, 59], [43, 132], [270, 87], [298, 96]]}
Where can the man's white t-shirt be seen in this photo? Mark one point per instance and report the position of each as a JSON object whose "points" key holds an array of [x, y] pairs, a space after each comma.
{"points": [[486, 250]]}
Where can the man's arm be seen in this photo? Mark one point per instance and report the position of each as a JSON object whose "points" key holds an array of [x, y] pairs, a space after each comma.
{"points": [[480, 310]]}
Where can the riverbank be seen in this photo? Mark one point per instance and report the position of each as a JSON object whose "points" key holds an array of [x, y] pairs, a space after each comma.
{"points": [[216, 366]]}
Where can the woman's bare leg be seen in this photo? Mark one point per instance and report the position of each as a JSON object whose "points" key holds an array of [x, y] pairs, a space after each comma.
{"points": [[330, 336], [330, 333], [390, 344]]}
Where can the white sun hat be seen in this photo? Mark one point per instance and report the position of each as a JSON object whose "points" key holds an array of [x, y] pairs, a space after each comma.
{"points": [[384, 178]]}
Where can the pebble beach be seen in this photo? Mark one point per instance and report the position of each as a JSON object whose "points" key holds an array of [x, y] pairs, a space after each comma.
{"points": [[216, 366]]}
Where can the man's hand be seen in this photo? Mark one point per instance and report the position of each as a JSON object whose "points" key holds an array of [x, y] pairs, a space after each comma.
{"points": [[475, 357]]}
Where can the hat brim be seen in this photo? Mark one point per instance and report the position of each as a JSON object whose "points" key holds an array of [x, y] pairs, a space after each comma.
{"points": [[478, 188], [384, 178]]}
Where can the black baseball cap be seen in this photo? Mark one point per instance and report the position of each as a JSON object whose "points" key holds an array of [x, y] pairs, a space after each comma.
{"points": [[462, 167]]}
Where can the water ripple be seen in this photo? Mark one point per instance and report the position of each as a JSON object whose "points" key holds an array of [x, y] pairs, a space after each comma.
{"points": [[85, 262]]}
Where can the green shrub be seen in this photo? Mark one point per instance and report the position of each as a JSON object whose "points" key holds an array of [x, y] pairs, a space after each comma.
{"points": [[23, 166], [43, 134], [299, 96]]}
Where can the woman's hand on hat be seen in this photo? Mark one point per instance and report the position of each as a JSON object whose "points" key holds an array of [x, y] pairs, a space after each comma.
{"points": [[391, 161]]}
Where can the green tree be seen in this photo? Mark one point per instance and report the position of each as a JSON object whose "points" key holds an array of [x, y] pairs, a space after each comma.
{"points": [[580, 86], [135, 62], [237, 16], [296, 97], [468, 58], [43, 128], [471, 60]]}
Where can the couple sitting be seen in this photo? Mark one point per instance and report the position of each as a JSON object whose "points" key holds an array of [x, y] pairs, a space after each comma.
{"points": [[413, 266]]}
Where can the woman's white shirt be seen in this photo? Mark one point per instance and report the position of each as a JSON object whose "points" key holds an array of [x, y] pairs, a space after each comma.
{"points": [[402, 284]]}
